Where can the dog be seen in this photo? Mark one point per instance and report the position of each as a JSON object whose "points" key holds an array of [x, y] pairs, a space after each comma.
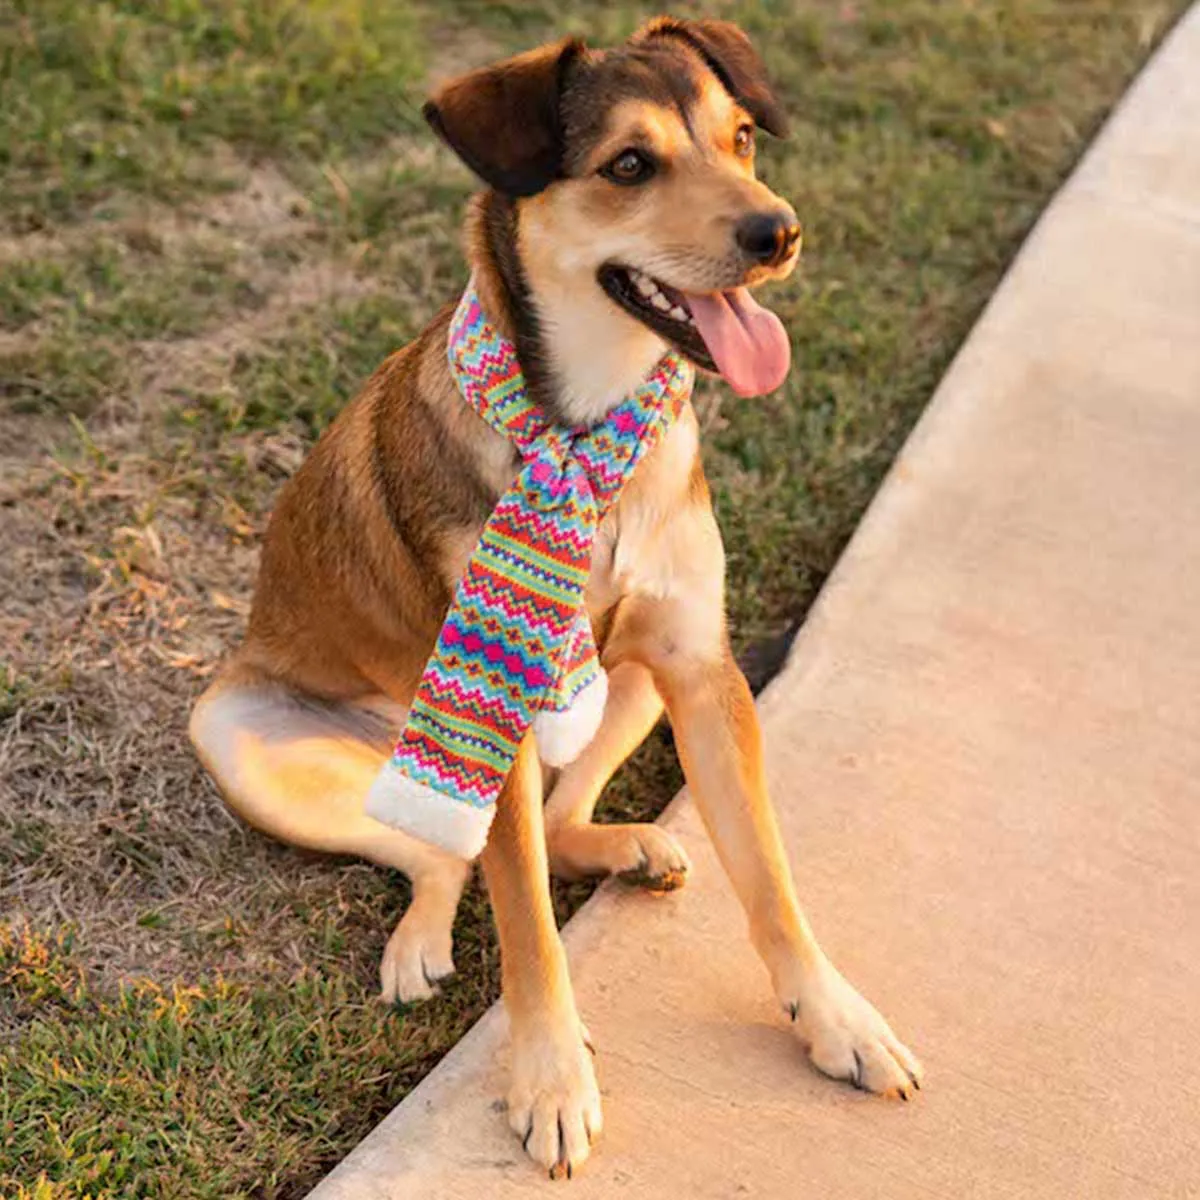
{"points": [[621, 217]]}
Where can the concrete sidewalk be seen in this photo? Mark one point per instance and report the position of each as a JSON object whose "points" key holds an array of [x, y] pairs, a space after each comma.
{"points": [[985, 753]]}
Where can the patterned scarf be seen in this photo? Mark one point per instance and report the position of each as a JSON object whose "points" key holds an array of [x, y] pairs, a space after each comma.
{"points": [[516, 649]]}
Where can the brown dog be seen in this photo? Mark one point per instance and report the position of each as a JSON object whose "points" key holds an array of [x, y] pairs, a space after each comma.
{"points": [[622, 215]]}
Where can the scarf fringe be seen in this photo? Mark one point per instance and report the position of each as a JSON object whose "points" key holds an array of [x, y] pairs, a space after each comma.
{"points": [[416, 809], [563, 734], [461, 829]]}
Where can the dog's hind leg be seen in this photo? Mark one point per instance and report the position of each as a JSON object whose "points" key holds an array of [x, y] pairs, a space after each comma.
{"points": [[299, 770], [641, 854]]}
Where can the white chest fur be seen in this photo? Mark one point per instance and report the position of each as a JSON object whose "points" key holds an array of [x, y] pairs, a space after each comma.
{"points": [[661, 541]]}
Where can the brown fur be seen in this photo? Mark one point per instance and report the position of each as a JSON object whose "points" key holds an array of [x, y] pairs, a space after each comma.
{"points": [[368, 539]]}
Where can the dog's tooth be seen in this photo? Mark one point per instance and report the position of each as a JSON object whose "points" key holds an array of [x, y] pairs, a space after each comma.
{"points": [[660, 302], [644, 284], [678, 313]]}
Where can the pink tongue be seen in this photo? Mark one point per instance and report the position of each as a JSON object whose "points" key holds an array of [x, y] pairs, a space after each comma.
{"points": [[748, 342]]}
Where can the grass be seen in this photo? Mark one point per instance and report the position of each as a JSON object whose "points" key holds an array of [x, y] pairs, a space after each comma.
{"points": [[216, 216], [120, 94], [207, 1060]]}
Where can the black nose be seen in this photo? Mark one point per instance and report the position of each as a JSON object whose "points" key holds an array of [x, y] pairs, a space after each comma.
{"points": [[768, 238]]}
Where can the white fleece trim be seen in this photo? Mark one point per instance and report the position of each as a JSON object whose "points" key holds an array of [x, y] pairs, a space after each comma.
{"points": [[562, 736], [403, 803]]}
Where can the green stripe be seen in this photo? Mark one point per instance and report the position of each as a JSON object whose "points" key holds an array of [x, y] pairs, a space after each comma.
{"points": [[584, 668], [524, 550], [500, 757], [465, 725], [506, 570]]}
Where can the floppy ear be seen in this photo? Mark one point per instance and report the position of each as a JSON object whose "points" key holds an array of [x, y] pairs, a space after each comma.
{"points": [[503, 120], [734, 61]]}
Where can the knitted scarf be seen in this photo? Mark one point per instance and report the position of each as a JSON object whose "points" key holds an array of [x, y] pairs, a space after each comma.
{"points": [[516, 649]]}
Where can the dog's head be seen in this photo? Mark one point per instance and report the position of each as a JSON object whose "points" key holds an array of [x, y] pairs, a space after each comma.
{"points": [[635, 182]]}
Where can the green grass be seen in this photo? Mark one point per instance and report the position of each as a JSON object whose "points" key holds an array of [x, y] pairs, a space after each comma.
{"points": [[216, 217], [308, 375], [122, 94], [216, 1089], [110, 289]]}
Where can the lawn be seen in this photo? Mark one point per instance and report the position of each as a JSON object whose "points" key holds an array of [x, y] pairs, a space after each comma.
{"points": [[216, 217]]}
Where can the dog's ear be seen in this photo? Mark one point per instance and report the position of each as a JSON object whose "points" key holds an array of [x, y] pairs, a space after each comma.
{"points": [[503, 120], [731, 57]]}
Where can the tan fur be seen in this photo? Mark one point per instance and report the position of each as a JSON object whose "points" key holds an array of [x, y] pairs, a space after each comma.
{"points": [[370, 536]]}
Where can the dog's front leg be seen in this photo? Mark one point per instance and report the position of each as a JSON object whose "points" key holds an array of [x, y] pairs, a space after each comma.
{"points": [[553, 1102], [716, 730]]}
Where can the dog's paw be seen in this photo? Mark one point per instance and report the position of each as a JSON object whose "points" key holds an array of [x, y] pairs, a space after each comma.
{"points": [[414, 961], [663, 865], [554, 1103], [847, 1039], [645, 856]]}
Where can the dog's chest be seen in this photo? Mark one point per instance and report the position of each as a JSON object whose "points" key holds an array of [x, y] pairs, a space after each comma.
{"points": [[634, 545], [660, 540]]}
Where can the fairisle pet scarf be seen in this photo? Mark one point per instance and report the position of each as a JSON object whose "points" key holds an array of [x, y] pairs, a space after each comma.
{"points": [[516, 649]]}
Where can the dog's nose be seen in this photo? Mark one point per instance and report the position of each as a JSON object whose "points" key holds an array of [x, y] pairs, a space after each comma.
{"points": [[768, 238]]}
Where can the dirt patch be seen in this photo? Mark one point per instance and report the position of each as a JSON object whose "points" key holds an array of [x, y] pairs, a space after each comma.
{"points": [[129, 580], [266, 202], [455, 49], [202, 363], [130, 542]]}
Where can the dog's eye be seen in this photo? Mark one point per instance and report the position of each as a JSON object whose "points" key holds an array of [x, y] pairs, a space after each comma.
{"points": [[630, 166], [743, 141]]}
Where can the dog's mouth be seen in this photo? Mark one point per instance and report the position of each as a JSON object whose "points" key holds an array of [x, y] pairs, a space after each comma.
{"points": [[728, 332]]}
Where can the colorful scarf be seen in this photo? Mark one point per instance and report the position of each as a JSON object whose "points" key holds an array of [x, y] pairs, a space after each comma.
{"points": [[516, 649]]}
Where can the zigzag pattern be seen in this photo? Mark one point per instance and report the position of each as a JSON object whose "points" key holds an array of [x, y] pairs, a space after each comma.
{"points": [[517, 639]]}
